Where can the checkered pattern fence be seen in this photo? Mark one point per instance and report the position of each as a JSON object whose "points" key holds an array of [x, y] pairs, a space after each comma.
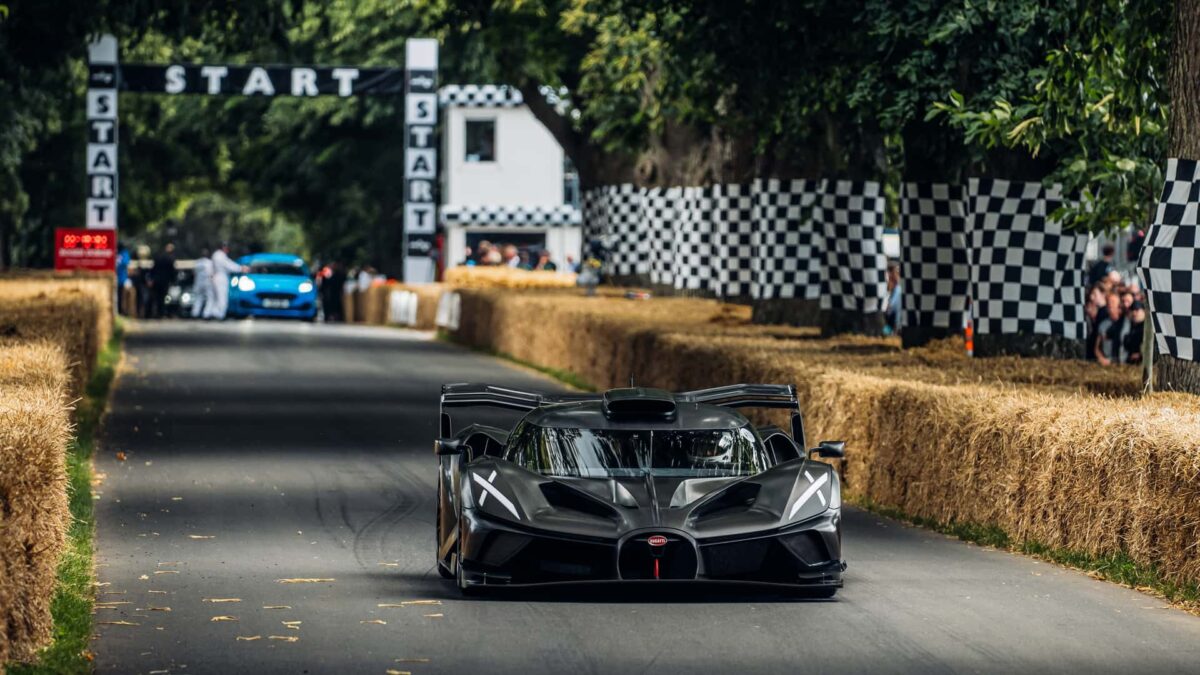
{"points": [[613, 215], [658, 213], [787, 261], [733, 233], [480, 96], [1027, 273], [808, 239], [693, 253], [935, 254], [512, 216], [851, 217], [1168, 264]]}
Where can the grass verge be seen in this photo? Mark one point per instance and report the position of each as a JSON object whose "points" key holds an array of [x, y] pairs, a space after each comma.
{"points": [[75, 594], [1118, 568], [565, 376]]}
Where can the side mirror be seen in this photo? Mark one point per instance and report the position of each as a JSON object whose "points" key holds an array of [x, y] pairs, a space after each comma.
{"points": [[829, 450], [447, 446]]}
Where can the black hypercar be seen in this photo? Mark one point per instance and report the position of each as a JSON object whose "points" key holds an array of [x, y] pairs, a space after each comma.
{"points": [[635, 485]]}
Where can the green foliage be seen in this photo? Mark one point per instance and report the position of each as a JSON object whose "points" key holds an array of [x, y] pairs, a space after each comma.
{"points": [[878, 89], [1099, 106]]}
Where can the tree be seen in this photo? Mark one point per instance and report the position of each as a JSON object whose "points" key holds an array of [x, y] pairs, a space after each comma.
{"points": [[1093, 104], [1167, 373]]}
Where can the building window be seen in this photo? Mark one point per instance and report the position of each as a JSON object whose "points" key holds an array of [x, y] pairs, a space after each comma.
{"points": [[481, 141]]}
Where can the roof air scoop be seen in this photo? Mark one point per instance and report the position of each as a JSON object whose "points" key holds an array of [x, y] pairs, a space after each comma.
{"points": [[639, 402]]}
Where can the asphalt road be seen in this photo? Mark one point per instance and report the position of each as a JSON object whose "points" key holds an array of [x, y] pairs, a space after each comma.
{"points": [[259, 451]]}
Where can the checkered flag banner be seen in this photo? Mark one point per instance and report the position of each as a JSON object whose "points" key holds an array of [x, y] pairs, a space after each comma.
{"points": [[1027, 273], [658, 214], [1168, 265], [733, 237], [692, 255], [935, 255], [851, 217], [480, 96], [612, 214], [510, 216], [787, 244]]}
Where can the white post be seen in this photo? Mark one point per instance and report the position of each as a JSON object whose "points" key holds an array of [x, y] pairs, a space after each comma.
{"points": [[102, 133], [420, 159]]}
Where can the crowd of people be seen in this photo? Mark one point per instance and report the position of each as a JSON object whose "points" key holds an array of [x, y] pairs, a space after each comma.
{"points": [[1116, 313], [487, 254], [152, 282]]}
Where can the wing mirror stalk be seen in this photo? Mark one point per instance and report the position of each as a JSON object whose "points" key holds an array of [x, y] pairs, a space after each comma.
{"points": [[447, 446], [829, 450]]}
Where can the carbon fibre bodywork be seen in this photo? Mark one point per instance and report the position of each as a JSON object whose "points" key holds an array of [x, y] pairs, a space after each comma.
{"points": [[502, 524]]}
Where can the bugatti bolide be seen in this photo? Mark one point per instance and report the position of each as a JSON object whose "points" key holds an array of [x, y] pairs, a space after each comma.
{"points": [[634, 485]]}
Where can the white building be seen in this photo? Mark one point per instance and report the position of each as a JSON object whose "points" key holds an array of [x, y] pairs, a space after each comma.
{"points": [[503, 177]]}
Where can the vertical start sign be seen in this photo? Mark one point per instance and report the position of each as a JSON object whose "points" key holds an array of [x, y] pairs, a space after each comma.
{"points": [[420, 159], [102, 133]]}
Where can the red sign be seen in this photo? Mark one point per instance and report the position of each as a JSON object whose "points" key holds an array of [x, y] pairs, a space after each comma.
{"points": [[80, 249], [657, 540]]}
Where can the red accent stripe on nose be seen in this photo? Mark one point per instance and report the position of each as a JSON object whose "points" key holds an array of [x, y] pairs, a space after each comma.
{"points": [[656, 568]]}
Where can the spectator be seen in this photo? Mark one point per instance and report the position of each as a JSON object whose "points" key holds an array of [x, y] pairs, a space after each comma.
{"points": [[202, 284], [544, 263], [468, 257], [572, 265], [1103, 266], [365, 275], [1110, 332], [524, 263], [1137, 333], [122, 277], [222, 268], [1094, 309], [891, 308], [159, 281], [333, 284], [511, 257], [1127, 300]]}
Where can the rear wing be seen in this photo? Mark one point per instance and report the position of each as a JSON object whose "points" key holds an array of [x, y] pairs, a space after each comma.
{"points": [[464, 395], [745, 396]]}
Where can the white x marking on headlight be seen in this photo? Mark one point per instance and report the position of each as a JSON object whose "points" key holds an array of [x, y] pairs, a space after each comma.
{"points": [[491, 489], [814, 487], [490, 479]]}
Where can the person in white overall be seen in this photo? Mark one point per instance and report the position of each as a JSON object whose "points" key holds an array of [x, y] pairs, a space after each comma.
{"points": [[222, 268], [202, 290]]}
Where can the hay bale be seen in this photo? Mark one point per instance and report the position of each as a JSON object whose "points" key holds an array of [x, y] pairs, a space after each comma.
{"points": [[100, 286], [465, 276], [69, 316], [34, 513], [1063, 453], [428, 296]]}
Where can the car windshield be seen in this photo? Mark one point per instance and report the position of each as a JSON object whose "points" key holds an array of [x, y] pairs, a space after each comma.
{"points": [[609, 453], [295, 269]]}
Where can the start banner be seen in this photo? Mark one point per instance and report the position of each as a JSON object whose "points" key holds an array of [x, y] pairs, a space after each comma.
{"points": [[84, 249]]}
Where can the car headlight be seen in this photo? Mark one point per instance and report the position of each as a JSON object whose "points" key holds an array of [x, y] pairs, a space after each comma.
{"points": [[245, 284], [305, 287]]}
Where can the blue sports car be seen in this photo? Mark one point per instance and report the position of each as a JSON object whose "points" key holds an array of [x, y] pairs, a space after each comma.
{"points": [[277, 285]]}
